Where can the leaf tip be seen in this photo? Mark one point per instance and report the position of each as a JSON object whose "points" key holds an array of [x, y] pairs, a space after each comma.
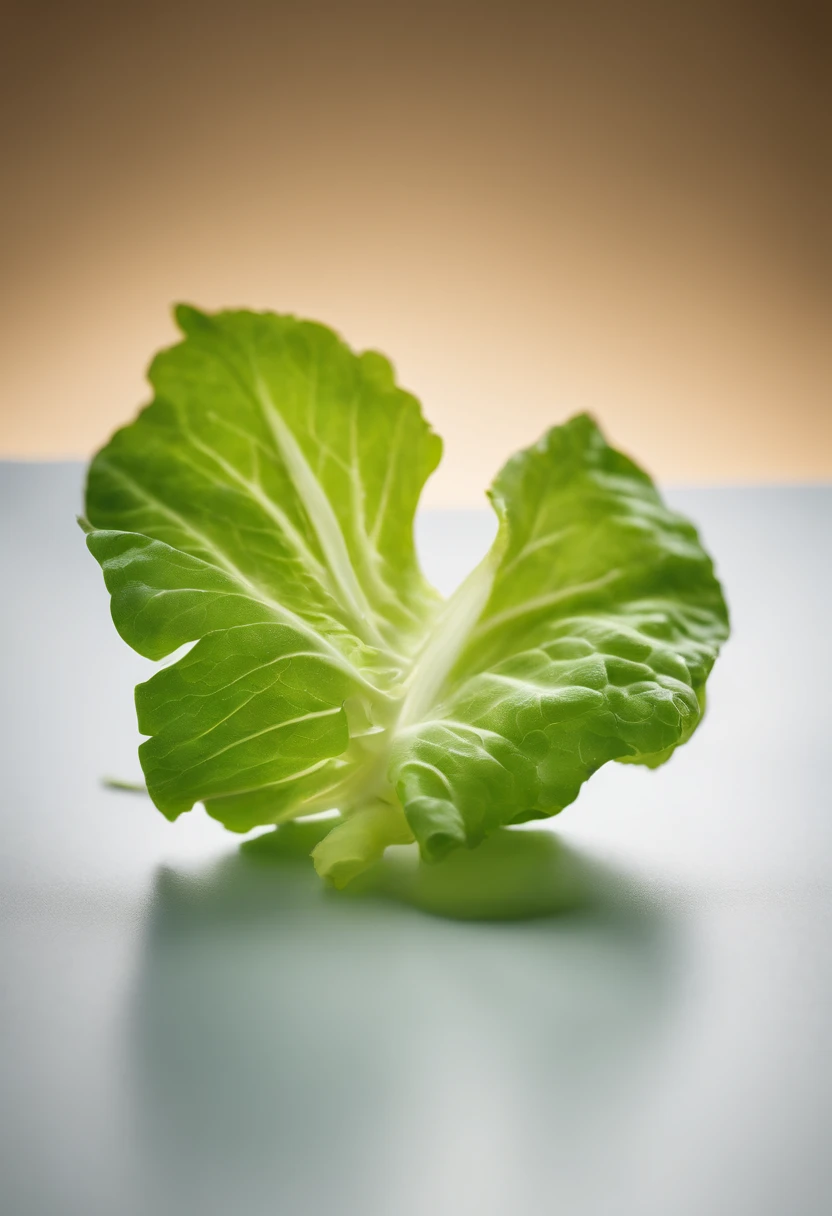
{"points": [[188, 317]]}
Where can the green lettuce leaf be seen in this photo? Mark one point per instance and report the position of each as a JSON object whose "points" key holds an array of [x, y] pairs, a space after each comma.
{"points": [[586, 635], [261, 510]]}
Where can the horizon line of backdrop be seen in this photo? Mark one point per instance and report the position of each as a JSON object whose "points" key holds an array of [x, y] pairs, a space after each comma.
{"points": [[532, 208]]}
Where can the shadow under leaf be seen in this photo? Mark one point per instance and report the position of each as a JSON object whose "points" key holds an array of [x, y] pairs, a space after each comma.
{"points": [[300, 1049], [513, 875]]}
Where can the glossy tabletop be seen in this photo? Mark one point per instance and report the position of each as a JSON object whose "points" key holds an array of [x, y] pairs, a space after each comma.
{"points": [[623, 1012]]}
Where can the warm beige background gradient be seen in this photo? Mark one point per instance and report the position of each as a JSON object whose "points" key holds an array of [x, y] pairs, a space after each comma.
{"points": [[532, 208]]}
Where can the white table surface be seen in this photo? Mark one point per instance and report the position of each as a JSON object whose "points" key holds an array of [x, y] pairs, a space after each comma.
{"points": [[185, 1029]]}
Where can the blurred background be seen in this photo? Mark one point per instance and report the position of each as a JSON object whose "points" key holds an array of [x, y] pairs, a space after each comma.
{"points": [[532, 208]]}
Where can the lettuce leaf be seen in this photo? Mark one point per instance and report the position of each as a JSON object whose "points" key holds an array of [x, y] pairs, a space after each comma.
{"points": [[261, 510]]}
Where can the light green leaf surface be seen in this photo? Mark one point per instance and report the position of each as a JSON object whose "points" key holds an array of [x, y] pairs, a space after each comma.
{"points": [[262, 505], [262, 508], [597, 621]]}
